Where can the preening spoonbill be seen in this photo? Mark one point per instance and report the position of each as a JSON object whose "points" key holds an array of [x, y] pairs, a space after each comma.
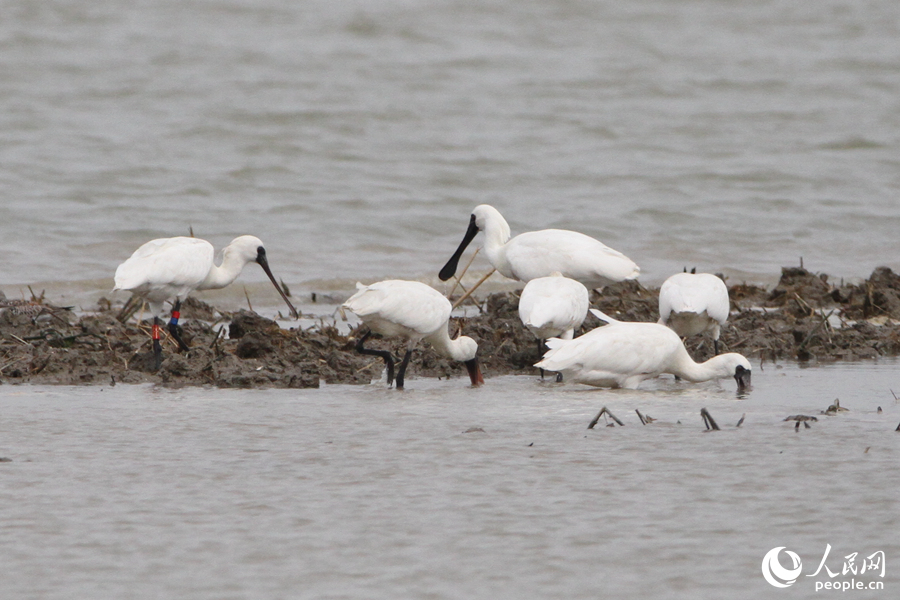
{"points": [[415, 311], [539, 253], [624, 354], [553, 306], [694, 303], [172, 268]]}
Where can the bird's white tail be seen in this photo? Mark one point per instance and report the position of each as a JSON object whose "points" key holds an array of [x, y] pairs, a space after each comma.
{"points": [[554, 343], [603, 316]]}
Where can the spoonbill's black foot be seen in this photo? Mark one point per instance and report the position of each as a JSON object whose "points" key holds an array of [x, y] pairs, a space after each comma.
{"points": [[174, 331], [559, 378], [401, 373], [384, 354]]}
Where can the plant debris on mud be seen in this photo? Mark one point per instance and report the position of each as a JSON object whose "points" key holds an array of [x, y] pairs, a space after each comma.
{"points": [[805, 317]]}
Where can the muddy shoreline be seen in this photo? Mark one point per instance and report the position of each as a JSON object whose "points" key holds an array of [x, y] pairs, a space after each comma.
{"points": [[805, 317]]}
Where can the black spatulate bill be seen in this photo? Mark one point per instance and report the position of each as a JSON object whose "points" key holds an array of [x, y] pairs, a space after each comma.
{"points": [[449, 269]]}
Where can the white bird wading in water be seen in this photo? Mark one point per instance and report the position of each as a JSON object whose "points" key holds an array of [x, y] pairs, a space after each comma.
{"points": [[692, 304], [553, 306], [624, 354], [540, 253], [168, 268], [414, 311]]}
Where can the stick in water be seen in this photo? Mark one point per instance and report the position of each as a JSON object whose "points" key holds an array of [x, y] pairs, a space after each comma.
{"points": [[708, 420], [604, 411]]}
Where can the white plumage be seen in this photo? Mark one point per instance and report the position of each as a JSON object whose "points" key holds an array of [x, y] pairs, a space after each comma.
{"points": [[540, 253], [171, 268], [416, 312], [553, 306], [624, 354], [692, 304]]}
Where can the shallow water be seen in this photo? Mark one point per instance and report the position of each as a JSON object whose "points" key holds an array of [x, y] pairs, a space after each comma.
{"points": [[364, 492]]}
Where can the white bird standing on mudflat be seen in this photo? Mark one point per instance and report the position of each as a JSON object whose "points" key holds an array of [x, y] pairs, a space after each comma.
{"points": [[624, 354], [539, 253], [415, 311], [168, 268], [692, 304], [553, 306]]}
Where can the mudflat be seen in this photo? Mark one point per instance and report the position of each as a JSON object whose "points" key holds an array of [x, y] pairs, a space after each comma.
{"points": [[805, 317]]}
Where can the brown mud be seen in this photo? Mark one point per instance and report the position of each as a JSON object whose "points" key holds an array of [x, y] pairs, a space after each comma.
{"points": [[805, 318]]}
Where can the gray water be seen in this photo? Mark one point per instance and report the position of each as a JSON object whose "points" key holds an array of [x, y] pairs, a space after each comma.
{"points": [[354, 138], [444, 491]]}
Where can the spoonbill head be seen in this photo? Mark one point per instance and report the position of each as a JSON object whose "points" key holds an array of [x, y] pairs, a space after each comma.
{"points": [[536, 254], [692, 304], [413, 311], [624, 354], [171, 268]]}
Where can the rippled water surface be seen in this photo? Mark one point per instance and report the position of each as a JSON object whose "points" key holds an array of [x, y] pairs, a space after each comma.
{"points": [[356, 137], [443, 491]]}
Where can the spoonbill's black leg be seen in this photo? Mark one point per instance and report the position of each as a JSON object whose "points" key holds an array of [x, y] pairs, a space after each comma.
{"points": [[559, 378], [402, 371], [173, 326], [384, 354], [157, 347], [541, 354], [716, 347]]}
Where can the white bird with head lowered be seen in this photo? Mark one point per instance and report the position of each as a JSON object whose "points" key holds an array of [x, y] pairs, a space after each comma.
{"points": [[171, 268]]}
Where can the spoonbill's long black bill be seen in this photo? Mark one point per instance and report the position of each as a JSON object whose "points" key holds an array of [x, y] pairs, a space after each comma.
{"points": [[742, 376], [264, 263], [449, 269]]}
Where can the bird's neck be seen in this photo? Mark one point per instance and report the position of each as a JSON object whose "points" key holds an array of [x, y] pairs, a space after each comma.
{"points": [[685, 367], [224, 274], [442, 344], [496, 234]]}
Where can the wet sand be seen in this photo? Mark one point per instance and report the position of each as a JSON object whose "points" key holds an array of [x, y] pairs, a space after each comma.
{"points": [[805, 317]]}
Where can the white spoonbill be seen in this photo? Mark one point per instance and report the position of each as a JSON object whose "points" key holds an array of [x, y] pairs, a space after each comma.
{"points": [[693, 303], [415, 311], [624, 354], [539, 253], [168, 268], [553, 306]]}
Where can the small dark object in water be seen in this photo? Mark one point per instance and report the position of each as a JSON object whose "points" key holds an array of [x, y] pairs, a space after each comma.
{"points": [[741, 420], [708, 420], [641, 417], [4, 459], [835, 408], [605, 411], [879, 410], [801, 419]]}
